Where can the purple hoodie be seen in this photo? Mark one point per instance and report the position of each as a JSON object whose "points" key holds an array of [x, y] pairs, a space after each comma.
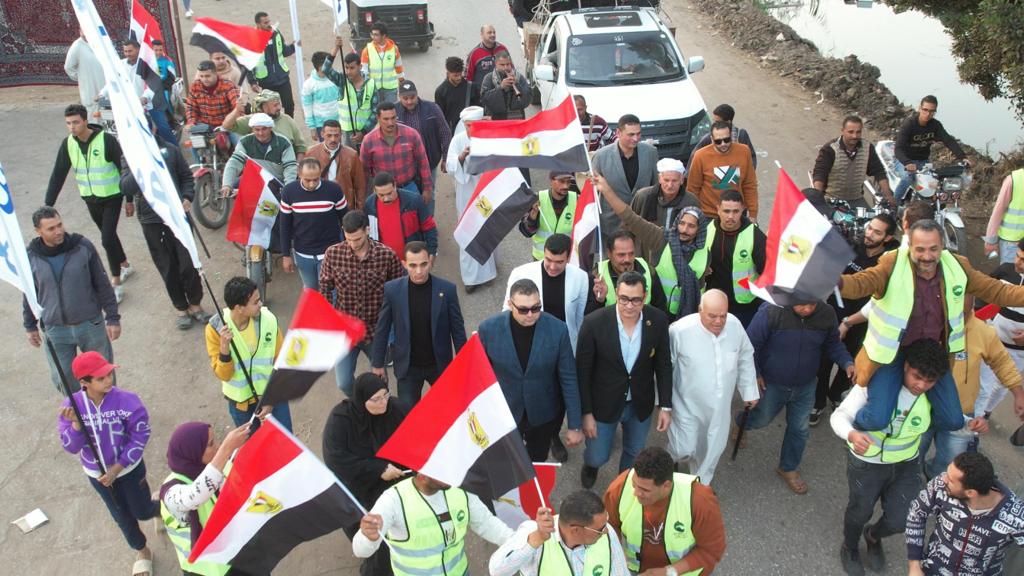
{"points": [[120, 425]]}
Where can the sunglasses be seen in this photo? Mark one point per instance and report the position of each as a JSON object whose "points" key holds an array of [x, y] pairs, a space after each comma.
{"points": [[722, 140], [524, 310]]}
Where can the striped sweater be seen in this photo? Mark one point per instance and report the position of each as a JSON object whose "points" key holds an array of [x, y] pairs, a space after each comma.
{"points": [[311, 219]]}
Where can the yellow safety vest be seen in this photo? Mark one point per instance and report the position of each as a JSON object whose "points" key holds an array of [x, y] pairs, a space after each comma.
{"points": [[424, 552], [181, 534], [354, 112], [555, 562], [93, 174], [548, 223], [889, 315], [742, 261], [382, 68], [678, 531], [904, 444], [1011, 228], [669, 280], [259, 363], [606, 276], [260, 72]]}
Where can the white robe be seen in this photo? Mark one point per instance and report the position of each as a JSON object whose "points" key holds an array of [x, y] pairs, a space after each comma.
{"points": [[706, 371], [82, 66], [465, 183]]}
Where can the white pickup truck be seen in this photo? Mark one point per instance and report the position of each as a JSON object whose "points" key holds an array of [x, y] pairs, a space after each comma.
{"points": [[623, 60]]}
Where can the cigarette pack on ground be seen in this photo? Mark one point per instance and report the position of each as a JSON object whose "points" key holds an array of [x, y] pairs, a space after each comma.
{"points": [[31, 521]]}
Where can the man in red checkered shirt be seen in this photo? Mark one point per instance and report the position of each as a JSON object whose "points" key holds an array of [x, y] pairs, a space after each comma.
{"points": [[352, 276], [210, 98], [397, 149]]}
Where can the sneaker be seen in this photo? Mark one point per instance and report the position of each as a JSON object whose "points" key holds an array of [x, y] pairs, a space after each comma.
{"points": [[119, 293], [200, 316], [184, 322], [815, 416], [588, 476], [875, 554], [558, 451], [126, 272], [851, 561], [188, 13]]}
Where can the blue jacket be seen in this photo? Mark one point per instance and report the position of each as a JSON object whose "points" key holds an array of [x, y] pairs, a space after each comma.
{"points": [[549, 381], [446, 324], [788, 349], [416, 219]]}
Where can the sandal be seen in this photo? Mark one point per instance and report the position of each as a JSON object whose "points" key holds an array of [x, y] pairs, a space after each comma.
{"points": [[142, 567], [793, 480]]}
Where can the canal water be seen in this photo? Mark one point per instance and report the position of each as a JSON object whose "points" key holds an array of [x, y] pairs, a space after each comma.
{"points": [[914, 54]]}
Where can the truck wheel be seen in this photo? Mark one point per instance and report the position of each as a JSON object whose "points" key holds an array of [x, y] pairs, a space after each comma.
{"points": [[424, 46]]}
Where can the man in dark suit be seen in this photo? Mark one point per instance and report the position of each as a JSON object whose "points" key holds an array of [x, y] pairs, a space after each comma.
{"points": [[424, 338], [623, 360], [532, 358]]}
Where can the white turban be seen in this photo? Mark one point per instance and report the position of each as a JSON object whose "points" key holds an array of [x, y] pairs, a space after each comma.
{"points": [[671, 165], [471, 113], [260, 119]]}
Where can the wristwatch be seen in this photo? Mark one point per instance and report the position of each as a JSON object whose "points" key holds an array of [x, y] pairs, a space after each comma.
{"points": [[670, 570], [846, 322]]}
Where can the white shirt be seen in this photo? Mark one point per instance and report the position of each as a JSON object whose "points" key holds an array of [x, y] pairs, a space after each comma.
{"points": [[181, 499], [389, 506], [843, 416], [517, 556]]}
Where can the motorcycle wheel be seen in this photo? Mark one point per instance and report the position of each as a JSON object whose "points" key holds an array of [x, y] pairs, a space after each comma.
{"points": [[210, 209], [955, 238]]}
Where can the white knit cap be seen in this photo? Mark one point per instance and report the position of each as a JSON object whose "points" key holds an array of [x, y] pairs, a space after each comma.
{"points": [[671, 165], [471, 113], [260, 119]]}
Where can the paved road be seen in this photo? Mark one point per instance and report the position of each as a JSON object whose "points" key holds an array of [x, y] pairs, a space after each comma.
{"points": [[770, 530]]}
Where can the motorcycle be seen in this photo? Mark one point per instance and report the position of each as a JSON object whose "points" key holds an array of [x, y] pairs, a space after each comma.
{"points": [[105, 116], [213, 147], [257, 260], [851, 222], [941, 186]]}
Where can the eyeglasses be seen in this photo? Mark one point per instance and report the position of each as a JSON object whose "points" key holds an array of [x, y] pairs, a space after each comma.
{"points": [[381, 398], [602, 530], [929, 110], [635, 301], [528, 310], [725, 140]]}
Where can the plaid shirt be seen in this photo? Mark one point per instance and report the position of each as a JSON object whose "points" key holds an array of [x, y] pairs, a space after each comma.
{"points": [[402, 160], [202, 107], [359, 283]]}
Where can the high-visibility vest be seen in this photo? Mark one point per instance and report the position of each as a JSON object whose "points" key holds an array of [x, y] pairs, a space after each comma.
{"points": [[382, 68], [742, 261], [93, 174], [350, 105], [890, 314], [902, 445], [606, 276], [1011, 228], [259, 363], [260, 71], [181, 534], [424, 551], [669, 280], [548, 223], [678, 532], [555, 562]]}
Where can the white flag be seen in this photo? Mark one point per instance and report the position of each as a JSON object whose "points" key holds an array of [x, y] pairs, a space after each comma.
{"points": [[14, 266], [340, 10], [137, 142]]}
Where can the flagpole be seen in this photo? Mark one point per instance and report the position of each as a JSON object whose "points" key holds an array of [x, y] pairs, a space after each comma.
{"points": [[540, 493], [597, 196], [297, 40]]}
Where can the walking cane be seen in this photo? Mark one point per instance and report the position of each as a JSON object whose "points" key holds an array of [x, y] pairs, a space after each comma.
{"points": [[739, 434]]}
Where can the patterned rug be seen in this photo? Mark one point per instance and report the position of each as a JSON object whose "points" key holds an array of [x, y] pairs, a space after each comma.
{"points": [[35, 35]]}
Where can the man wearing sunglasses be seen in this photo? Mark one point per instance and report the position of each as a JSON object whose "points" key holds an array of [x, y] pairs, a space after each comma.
{"points": [[532, 357], [579, 541], [722, 165]]}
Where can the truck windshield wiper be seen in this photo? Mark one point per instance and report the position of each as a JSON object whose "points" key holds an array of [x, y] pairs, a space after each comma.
{"points": [[587, 83]]}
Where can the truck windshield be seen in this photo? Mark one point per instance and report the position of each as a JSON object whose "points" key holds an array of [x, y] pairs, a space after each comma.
{"points": [[618, 59]]}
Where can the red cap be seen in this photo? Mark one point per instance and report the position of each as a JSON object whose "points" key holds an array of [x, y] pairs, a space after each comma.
{"points": [[91, 364]]}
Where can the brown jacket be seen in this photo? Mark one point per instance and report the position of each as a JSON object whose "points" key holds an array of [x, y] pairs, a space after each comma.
{"points": [[350, 174], [983, 346], [875, 280]]}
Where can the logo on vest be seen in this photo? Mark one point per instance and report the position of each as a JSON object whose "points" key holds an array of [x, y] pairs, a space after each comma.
{"points": [[531, 146], [744, 254], [678, 527], [268, 209], [958, 290], [484, 207], [597, 571], [460, 516], [95, 152], [476, 431], [797, 250], [915, 421], [263, 503], [296, 351]]}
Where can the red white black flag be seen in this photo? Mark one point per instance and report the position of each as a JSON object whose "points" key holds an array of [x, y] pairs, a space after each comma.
{"points": [[498, 203], [318, 337], [520, 504], [277, 496], [586, 228], [144, 29], [805, 254], [462, 432], [244, 44], [256, 206]]}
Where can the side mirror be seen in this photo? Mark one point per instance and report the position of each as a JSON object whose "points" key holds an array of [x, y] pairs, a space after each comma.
{"points": [[544, 72], [695, 65]]}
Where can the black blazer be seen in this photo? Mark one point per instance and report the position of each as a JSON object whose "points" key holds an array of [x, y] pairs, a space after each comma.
{"points": [[602, 371]]}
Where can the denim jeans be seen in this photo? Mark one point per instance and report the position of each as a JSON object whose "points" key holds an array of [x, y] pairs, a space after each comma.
{"points": [[948, 445], [798, 401], [89, 336], [309, 269], [129, 501], [906, 178], [281, 413], [1007, 251], [163, 126], [345, 369], [896, 485], [634, 436], [410, 388], [884, 390]]}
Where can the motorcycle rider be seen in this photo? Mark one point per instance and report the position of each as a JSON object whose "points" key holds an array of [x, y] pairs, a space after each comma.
{"points": [[264, 146], [269, 103], [914, 143], [841, 176]]}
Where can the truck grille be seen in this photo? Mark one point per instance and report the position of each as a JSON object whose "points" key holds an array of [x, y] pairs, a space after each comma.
{"points": [[401, 21]]}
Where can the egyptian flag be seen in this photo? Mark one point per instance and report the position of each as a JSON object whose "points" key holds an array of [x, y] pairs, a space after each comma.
{"points": [[805, 254], [551, 140], [520, 504], [462, 431], [244, 44], [144, 29], [256, 206], [277, 496], [497, 205], [318, 337], [586, 228]]}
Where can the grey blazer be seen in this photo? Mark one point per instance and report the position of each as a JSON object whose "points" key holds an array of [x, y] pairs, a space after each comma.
{"points": [[608, 163]]}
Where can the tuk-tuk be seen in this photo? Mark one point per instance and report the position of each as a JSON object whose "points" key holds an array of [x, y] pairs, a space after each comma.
{"points": [[407, 21]]}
